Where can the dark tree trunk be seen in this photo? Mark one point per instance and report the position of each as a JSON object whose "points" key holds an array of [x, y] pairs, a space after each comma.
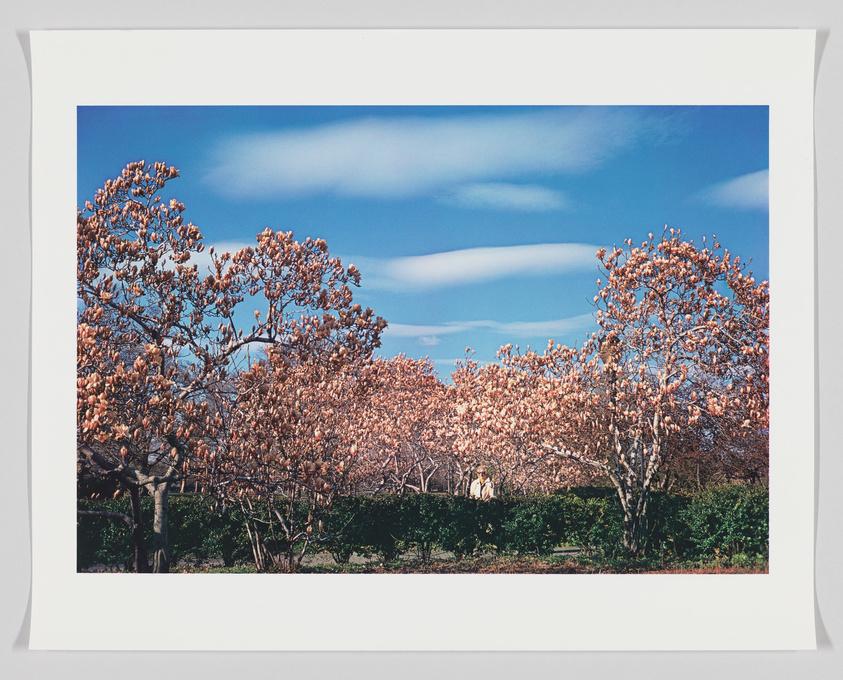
{"points": [[141, 561], [161, 550]]}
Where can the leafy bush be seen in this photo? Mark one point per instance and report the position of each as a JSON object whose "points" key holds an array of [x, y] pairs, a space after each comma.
{"points": [[199, 529], [466, 528], [604, 493], [339, 535], [423, 517], [729, 519], [364, 524], [102, 540], [665, 531], [593, 523], [726, 522], [534, 524]]}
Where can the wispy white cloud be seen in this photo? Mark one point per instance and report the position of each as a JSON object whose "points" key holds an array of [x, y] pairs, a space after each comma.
{"points": [[411, 156], [474, 265], [402, 330], [425, 335], [504, 196], [750, 192], [514, 330], [545, 329]]}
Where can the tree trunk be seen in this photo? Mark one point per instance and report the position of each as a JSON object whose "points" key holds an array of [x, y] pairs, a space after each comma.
{"points": [[141, 561], [631, 531], [633, 518], [161, 550], [254, 541]]}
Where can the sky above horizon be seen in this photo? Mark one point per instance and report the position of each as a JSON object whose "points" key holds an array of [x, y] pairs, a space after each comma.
{"points": [[471, 226]]}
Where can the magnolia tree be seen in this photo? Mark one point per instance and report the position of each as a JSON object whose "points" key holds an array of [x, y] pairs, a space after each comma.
{"points": [[708, 452], [683, 350], [402, 427], [290, 447], [498, 423], [300, 432], [159, 338]]}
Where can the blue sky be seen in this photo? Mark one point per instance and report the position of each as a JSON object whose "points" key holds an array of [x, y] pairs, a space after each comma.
{"points": [[471, 226]]}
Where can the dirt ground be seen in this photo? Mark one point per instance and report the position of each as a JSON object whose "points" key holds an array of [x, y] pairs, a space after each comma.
{"points": [[437, 555], [321, 559], [444, 563]]}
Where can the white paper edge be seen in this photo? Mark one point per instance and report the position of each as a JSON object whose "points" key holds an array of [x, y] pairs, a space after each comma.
{"points": [[418, 612]]}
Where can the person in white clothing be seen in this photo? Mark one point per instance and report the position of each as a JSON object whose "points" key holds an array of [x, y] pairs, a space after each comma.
{"points": [[482, 487]]}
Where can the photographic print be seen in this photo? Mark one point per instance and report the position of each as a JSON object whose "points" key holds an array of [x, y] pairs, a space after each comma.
{"points": [[485, 339], [395, 321]]}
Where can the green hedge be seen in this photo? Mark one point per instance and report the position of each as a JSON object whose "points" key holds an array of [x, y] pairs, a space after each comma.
{"points": [[727, 520], [388, 525], [199, 528], [104, 541], [363, 524]]}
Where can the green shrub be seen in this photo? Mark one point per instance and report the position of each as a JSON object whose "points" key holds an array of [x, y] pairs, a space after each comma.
{"points": [[422, 518], [534, 524], [199, 528], [593, 523], [202, 528], [339, 535], [728, 519], [366, 525], [466, 528], [381, 526], [102, 540], [605, 493], [665, 533]]}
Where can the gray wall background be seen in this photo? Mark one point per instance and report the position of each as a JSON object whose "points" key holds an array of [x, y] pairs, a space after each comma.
{"points": [[16, 661]]}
